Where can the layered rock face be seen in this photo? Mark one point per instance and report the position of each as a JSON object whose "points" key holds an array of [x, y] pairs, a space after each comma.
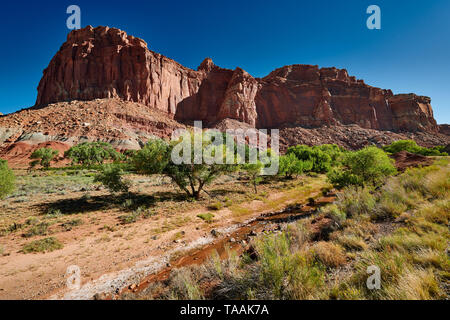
{"points": [[106, 63], [303, 95], [96, 63]]}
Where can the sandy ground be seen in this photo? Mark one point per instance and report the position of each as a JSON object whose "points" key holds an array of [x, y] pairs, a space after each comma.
{"points": [[112, 256]]}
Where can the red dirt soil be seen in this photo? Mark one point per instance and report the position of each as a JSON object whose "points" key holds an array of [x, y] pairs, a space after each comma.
{"points": [[405, 159]]}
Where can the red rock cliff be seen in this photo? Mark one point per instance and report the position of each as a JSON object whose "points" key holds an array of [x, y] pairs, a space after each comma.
{"points": [[106, 63]]}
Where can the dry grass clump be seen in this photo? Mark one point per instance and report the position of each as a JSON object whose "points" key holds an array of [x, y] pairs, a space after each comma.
{"points": [[352, 242], [356, 201], [329, 254]]}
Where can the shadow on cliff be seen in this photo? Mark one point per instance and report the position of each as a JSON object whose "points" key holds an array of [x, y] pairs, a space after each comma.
{"points": [[205, 104]]}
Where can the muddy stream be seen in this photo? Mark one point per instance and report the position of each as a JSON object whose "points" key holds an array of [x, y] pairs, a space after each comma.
{"points": [[236, 241]]}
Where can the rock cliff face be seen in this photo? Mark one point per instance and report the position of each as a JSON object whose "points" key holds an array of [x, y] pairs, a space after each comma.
{"points": [[96, 63], [107, 63]]}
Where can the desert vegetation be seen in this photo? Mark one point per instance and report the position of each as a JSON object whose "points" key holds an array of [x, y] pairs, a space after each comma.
{"points": [[43, 156], [7, 179], [379, 216], [411, 146], [402, 228]]}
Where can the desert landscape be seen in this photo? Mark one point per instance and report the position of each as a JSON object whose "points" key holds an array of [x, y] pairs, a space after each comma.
{"points": [[88, 185]]}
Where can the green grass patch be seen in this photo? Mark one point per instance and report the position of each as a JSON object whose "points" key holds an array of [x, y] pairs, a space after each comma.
{"points": [[43, 245], [207, 217]]}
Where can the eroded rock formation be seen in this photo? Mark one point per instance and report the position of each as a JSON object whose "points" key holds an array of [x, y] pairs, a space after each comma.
{"points": [[105, 62]]}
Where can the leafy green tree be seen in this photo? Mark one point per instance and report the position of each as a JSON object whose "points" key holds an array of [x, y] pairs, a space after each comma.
{"points": [[91, 153], [111, 176], [290, 165], [43, 156], [412, 147], [7, 179], [190, 176], [321, 161], [253, 172], [370, 165], [333, 150]]}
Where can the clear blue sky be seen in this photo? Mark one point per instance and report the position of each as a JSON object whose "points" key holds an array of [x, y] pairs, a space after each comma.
{"points": [[411, 53]]}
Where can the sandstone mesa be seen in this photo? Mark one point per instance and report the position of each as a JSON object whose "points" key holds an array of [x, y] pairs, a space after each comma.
{"points": [[106, 85]]}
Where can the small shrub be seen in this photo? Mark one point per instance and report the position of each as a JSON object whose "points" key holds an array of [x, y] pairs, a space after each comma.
{"points": [[111, 177], [388, 207], [53, 213], [438, 213], [128, 204], [355, 201], [290, 166], [184, 286], [147, 214], [39, 229], [228, 202], [32, 221], [207, 217], [253, 173], [334, 212], [92, 153], [72, 223], [216, 206], [129, 218], [43, 245]]}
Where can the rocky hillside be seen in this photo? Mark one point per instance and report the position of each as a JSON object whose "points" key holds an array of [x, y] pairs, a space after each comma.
{"points": [[106, 85]]}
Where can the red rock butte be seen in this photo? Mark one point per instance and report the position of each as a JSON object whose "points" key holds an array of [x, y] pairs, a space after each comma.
{"points": [[103, 62], [103, 85]]}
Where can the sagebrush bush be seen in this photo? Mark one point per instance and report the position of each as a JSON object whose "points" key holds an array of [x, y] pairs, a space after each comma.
{"points": [[184, 286], [355, 201]]}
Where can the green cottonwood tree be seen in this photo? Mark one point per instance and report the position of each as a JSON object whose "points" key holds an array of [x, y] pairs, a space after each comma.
{"points": [[205, 161], [43, 156]]}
